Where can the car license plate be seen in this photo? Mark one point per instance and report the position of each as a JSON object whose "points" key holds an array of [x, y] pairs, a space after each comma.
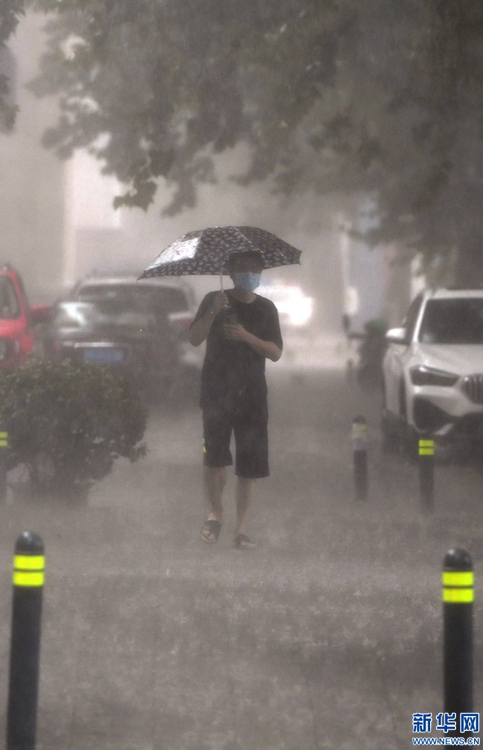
{"points": [[103, 354]]}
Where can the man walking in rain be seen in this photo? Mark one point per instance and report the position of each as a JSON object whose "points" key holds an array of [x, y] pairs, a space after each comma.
{"points": [[241, 330]]}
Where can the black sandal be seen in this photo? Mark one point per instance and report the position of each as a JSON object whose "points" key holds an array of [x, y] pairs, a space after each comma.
{"points": [[211, 528], [243, 542]]}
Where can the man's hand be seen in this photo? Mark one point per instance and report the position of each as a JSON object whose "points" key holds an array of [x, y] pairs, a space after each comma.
{"points": [[200, 330], [220, 302], [235, 332]]}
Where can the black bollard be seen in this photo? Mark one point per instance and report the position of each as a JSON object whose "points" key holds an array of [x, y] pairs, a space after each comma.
{"points": [[359, 448], [426, 473], [458, 634], [28, 581], [3, 465]]}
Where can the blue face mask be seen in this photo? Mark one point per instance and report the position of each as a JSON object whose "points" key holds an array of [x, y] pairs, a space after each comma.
{"points": [[247, 281]]}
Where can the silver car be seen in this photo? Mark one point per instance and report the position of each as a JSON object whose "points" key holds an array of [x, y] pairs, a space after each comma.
{"points": [[172, 295]]}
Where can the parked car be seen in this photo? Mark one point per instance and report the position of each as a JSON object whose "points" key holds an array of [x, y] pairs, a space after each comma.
{"points": [[174, 296], [18, 319], [433, 370], [118, 333]]}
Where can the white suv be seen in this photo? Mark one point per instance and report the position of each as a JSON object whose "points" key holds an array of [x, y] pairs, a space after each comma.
{"points": [[433, 369]]}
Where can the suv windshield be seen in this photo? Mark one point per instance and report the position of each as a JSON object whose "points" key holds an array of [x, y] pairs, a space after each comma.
{"points": [[452, 321]]}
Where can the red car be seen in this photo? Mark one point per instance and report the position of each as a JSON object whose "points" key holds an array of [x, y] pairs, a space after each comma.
{"points": [[17, 319]]}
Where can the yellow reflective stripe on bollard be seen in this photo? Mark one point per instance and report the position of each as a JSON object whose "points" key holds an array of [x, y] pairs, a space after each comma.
{"points": [[461, 578], [30, 580], [29, 562], [28, 570], [426, 447], [359, 430], [458, 586], [458, 596], [3, 439]]}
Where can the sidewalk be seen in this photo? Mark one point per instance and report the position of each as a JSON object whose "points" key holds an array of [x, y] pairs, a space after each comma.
{"points": [[327, 636]]}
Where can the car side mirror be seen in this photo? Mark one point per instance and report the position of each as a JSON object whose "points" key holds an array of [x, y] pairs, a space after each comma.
{"points": [[397, 336]]}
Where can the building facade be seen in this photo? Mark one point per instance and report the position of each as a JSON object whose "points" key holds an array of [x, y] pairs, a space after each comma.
{"points": [[32, 180]]}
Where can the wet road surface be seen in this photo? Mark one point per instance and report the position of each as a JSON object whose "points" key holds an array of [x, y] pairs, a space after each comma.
{"points": [[328, 635]]}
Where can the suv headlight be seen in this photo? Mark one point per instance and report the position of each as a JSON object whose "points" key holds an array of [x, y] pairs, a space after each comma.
{"points": [[421, 375]]}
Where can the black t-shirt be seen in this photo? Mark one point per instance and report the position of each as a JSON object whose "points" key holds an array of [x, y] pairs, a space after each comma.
{"points": [[233, 373]]}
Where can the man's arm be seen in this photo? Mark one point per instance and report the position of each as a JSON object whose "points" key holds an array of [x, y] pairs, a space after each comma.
{"points": [[201, 328], [267, 349]]}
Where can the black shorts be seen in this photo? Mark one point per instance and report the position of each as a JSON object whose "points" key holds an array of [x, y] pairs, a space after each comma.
{"points": [[251, 439]]}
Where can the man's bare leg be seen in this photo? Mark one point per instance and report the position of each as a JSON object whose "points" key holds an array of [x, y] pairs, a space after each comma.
{"points": [[245, 492], [215, 480]]}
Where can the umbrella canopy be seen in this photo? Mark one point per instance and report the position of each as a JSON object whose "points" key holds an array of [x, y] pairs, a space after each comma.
{"points": [[206, 251]]}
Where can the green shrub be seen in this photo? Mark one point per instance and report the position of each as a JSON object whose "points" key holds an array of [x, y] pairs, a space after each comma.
{"points": [[69, 422]]}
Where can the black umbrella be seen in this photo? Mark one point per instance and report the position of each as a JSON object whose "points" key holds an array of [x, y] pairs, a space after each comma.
{"points": [[206, 251]]}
